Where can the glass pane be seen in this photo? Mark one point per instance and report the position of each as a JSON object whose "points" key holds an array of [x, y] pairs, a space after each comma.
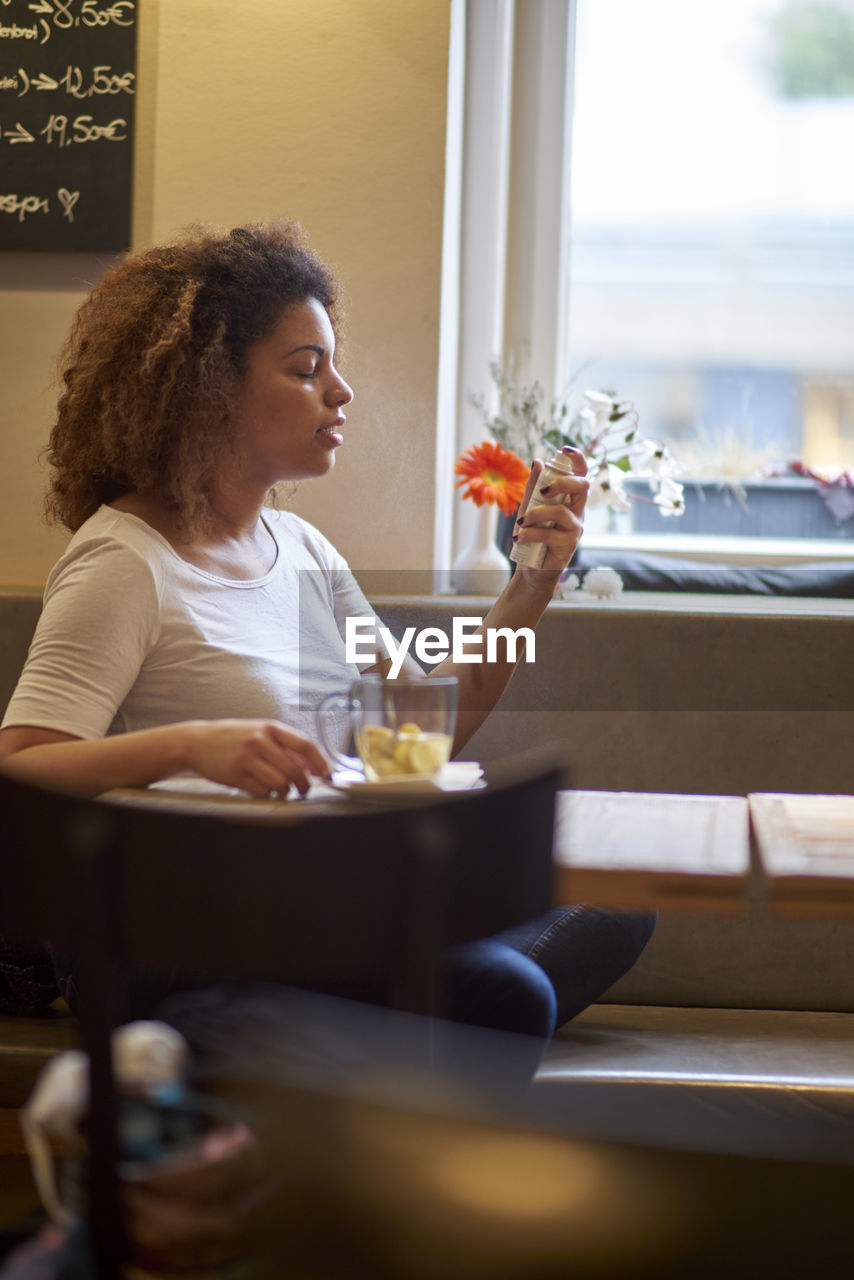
{"points": [[712, 261]]}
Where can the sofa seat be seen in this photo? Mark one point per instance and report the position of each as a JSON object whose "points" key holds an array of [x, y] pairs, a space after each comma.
{"points": [[760, 1082], [26, 1044]]}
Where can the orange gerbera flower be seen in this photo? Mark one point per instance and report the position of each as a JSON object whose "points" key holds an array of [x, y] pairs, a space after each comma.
{"points": [[493, 475]]}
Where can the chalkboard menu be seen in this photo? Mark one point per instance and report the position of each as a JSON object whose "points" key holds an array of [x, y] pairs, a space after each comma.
{"points": [[67, 93]]}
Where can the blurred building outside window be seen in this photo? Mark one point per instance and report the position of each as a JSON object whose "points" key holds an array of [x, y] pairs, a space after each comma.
{"points": [[711, 245]]}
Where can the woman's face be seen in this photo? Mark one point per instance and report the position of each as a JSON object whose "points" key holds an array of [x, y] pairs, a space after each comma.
{"points": [[289, 411]]}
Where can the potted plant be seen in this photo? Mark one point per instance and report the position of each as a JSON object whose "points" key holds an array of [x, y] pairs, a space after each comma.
{"points": [[600, 424], [736, 489], [494, 478]]}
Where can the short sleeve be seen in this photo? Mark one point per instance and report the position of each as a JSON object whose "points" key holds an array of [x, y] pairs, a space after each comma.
{"points": [[349, 601], [99, 621], [346, 596]]}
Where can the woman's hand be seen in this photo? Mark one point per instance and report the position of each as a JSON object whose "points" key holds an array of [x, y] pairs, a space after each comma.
{"points": [[567, 519], [262, 757]]}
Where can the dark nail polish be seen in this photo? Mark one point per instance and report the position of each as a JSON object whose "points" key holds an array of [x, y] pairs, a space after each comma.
{"points": [[515, 537], [546, 488]]}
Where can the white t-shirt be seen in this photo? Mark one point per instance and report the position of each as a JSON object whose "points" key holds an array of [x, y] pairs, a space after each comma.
{"points": [[131, 636]]}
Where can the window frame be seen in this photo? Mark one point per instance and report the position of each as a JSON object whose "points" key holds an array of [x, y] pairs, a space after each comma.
{"points": [[506, 276]]}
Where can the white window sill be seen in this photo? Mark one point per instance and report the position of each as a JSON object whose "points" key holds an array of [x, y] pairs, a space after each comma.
{"points": [[711, 603], [662, 602]]}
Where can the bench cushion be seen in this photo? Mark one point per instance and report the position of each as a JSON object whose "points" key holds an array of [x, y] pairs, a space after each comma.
{"points": [[761, 1082], [26, 1044], [646, 572]]}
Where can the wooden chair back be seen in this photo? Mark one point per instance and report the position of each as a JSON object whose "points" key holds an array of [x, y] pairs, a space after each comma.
{"points": [[367, 896]]}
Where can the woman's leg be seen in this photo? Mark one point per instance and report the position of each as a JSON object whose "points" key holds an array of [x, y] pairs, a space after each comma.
{"points": [[582, 949], [491, 985], [535, 976]]}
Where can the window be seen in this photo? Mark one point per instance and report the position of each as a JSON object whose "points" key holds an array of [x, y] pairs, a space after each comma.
{"points": [[656, 199], [712, 231]]}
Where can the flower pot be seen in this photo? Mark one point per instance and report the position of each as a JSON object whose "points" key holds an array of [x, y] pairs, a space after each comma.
{"points": [[505, 525], [481, 568]]}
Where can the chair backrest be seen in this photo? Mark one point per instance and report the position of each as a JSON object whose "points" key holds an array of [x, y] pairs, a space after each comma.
{"points": [[361, 896], [359, 893], [51, 844], [364, 894]]}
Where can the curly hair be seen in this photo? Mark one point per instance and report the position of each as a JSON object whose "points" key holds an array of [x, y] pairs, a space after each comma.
{"points": [[154, 362]]}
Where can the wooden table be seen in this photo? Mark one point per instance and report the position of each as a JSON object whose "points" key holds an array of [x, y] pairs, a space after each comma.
{"points": [[633, 849], [805, 845], [199, 796], [685, 853], [681, 853]]}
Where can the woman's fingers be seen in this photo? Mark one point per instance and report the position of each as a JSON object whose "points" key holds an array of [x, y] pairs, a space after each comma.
{"points": [[261, 778], [275, 766], [533, 476], [259, 756], [309, 751], [560, 539], [534, 526]]}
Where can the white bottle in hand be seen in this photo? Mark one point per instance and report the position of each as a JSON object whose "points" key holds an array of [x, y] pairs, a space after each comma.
{"points": [[532, 554]]}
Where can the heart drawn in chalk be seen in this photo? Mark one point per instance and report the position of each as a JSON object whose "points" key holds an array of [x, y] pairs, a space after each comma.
{"points": [[68, 200]]}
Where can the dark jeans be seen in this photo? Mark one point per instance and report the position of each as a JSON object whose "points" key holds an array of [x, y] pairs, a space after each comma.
{"points": [[534, 977]]}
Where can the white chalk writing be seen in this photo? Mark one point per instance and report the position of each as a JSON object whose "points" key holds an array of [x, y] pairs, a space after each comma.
{"points": [[77, 93], [23, 205], [68, 200], [18, 134], [103, 81], [83, 129], [59, 14], [18, 33]]}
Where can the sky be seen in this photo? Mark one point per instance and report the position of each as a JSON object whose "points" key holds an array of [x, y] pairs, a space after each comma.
{"points": [[675, 118]]}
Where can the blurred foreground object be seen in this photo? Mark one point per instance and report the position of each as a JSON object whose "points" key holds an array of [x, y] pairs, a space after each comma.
{"points": [[386, 1166], [395, 1192], [189, 1175], [148, 1057]]}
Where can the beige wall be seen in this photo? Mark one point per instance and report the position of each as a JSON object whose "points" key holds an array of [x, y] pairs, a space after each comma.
{"points": [[332, 113]]}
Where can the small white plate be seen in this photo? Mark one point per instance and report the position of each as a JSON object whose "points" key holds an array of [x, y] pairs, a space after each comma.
{"points": [[461, 775]]}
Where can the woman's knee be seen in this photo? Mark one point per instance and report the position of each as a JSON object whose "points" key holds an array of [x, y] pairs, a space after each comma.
{"points": [[492, 985]]}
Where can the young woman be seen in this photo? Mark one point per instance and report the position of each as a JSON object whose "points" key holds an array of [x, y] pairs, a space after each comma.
{"points": [[197, 378]]}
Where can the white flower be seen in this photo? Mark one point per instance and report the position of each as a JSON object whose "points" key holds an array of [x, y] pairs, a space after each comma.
{"points": [[598, 409], [607, 489], [603, 582], [604, 427], [567, 585], [670, 498], [651, 460]]}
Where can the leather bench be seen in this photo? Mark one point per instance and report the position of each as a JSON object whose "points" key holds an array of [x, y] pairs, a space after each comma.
{"points": [[759, 1082], [26, 1044]]}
